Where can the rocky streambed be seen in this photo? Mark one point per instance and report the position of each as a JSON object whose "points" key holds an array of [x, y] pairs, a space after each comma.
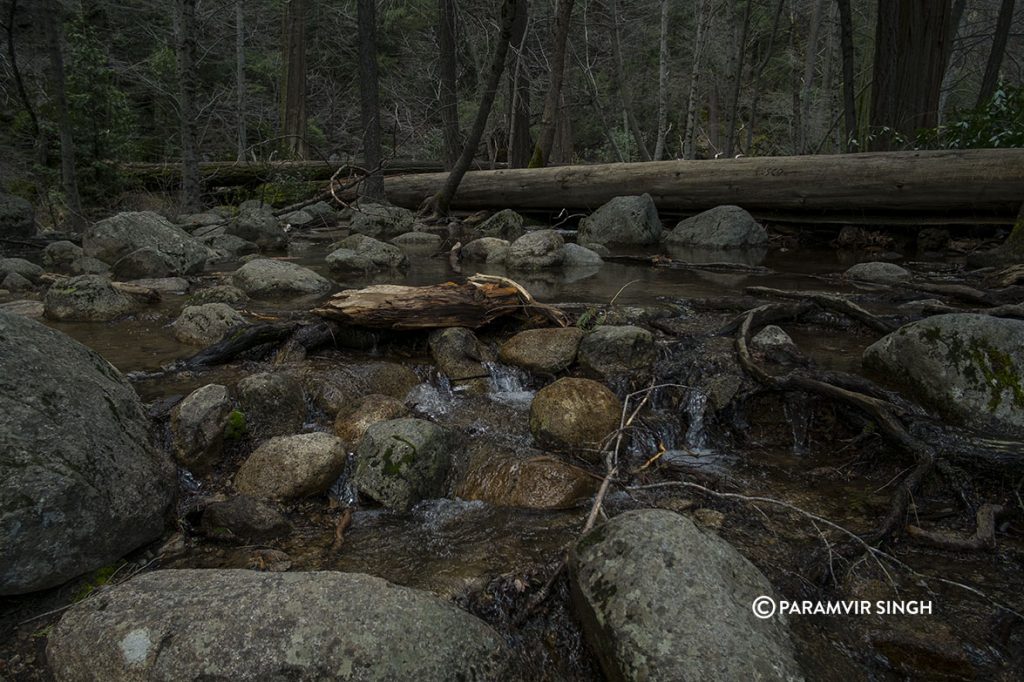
{"points": [[741, 413]]}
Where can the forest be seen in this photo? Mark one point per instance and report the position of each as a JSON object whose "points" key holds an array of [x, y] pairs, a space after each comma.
{"points": [[558, 341]]}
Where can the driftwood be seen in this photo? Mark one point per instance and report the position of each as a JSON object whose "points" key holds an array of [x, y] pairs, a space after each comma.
{"points": [[473, 304]]}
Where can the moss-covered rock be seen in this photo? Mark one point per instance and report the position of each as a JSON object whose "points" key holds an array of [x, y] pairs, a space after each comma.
{"points": [[574, 414], [403, 461]]}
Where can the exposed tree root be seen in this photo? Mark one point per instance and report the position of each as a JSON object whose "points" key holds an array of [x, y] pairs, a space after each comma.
{"points": [[984, 538]]}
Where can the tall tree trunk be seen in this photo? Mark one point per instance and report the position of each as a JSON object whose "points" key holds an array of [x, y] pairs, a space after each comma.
{"points": [[19, 84], [549, 120], [625, 88], [511, 22], [69, 179], [561, 150], [588, 70], [366, 11], [759, 71], [954, 27], [714, 127], [240, 80], [448, 93], [732, 111], [293, 127], [520, 144], [810, 65], [187, 86], [690, 128], [911, 48], [659, 146], [995, 57], [849, 86]]}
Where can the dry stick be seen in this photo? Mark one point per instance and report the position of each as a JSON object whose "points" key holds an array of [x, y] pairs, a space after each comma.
{"points": [[870, 549]]}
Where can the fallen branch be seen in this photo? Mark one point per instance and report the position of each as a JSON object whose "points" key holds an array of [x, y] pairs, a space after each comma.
{"points": [[984, 537]]}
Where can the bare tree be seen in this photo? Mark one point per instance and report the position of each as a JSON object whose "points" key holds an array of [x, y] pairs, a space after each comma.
{"points": [[294, 90], [19, 82], [849, 87], [54, 18], [520, 145], [366, 10], [240, 79], [187, 87], [810, 62], [704, 13], [755, 100], [995, 56], [448, 94], [740, 31], [659, 146], [625, 87], [549, 121]]}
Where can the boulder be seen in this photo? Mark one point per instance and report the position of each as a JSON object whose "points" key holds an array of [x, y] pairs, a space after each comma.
{"points": [[86, 298], [222, 293], [536, 251], [539, 482], [81, 480], [360, 253], [611, 352], [623, 220], [186, 625], [574, 414], [967, 366], [298, 218], [33, 309], [266, 278], [204, 325], [58, 256], [418, 239], [273, 403], [403, 461], [243, 519], [723, 227], [17, 217], [197, 427], [144, 262], [547, 351], [661, 599], [112, 239], [381, 221], [15, 283], [87, 265], [506, 225], [576, 256], [486, 250], [878, 273], [258, 225], [191, 221], [777, 346], [336, 390], [21, 267], [350, 425], [322, 211], [290, 467], [162, 285], [231, 247], [459, 356]]}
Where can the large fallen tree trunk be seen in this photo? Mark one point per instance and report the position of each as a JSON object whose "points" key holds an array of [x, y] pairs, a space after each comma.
{"points": [[982, 183]]}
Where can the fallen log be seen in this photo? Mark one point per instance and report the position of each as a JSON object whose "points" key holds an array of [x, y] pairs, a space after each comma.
{"points": [[480, 300], [927, 186]]}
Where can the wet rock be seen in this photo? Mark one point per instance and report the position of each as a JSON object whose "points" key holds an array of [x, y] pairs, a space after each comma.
{"points": [[546, 351], [487, 250], [418, 239], [403, 461], [323, 211], [185, 625], [536, 251], [459, 356], [266, 278], [505, 224], [600, 249], [611, 352], [259, 226], [723, 227], [16, 283], [163, 285], [87, 298], [17, 217], [58, 256], [197, 427], [623, 220], [191, 221], [112, 239], [335, 391], [298, 218], [878, 273], [381, 221], [204, 325], [33, 309], [777, 346], [273, 403], [87, 265], [540, 482], [577, 256], [360, 253], [144, 262], [81, 481], [232, 247], [223, 293], [660, 599], [243, 519], [574, 414], [350, 425], [969, 367], [21, 267], [289, 467]]}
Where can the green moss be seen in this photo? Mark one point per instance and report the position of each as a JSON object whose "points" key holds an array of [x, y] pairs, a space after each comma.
{"points": [[393, 465], [98, 579], [999, 374], [236, 426]]}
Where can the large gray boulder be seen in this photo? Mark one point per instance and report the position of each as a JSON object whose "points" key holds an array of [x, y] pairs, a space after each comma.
{"points": [[112, 239], [506, 224], [21, 267], [623, 220], [486, 250], [17, 217], [289, 467], [258, 225], [403, 461], [360, 253], [245, 625], [459, 356], [969, 367], [576, 256], [613, 351], [204, 325], [81, 481], [274, 403], [266, 278], [574, 414], [58, 256], [197, 427], [542, 350], [381, 221], [723, 227], [661, 599], [86, 298], [336, 390], [536, 251], [878, 273]]}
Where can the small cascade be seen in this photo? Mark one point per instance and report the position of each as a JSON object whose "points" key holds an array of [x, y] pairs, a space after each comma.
{"points": [[696, 433], [508, 385], [434, 398]]}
